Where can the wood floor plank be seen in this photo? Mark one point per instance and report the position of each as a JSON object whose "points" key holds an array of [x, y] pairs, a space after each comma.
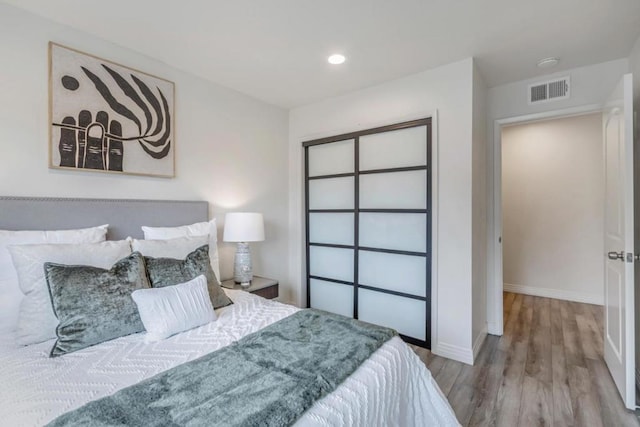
{"points": [[522, 328], [448, 375], [572, 346], [588, 340], [484, 411], [510, 323], [467, 392], [598, 315], [536, 406], [434, 363], [507, 407], [584, 400], [562, 406], [556, 323], [538, 364], [612, 409], [595, 332], [507, 303]]}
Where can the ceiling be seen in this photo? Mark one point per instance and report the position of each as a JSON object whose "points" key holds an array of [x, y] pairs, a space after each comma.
{"points": [[276, 50]]}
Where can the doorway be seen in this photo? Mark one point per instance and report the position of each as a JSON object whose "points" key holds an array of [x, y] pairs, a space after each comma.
{"points": [[552, 207], [495, 279]]}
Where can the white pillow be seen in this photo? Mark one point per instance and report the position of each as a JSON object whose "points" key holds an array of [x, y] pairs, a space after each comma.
{"points": [[170, 248], [197, 229], [10, 295], [172, 309], [36, 321]]}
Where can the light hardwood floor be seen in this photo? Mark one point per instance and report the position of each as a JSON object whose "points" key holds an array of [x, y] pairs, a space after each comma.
{"points": [[546, 370]]}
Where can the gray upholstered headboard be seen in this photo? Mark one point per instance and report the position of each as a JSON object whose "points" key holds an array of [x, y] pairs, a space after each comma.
{"points": [[123, 216]]}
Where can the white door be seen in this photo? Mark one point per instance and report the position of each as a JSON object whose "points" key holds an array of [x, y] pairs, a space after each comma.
{"points": [[619, 342]]}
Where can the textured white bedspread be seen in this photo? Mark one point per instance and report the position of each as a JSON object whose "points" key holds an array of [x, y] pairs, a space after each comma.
{"points": [[391, 388]]}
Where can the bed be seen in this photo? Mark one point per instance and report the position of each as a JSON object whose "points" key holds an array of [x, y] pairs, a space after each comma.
{"points": [[391, 387]]}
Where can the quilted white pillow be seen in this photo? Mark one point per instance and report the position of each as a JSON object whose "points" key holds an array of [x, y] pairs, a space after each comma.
{"points": [[198, 229], [172, 309], [170, 248], [36, 321], [10, 295]]}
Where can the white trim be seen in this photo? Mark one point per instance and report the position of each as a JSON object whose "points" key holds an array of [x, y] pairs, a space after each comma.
{"points": [[555, 293], [494, 289], [494, 328], [434, 228], [479, 341], [454, 352], [629, 287], [495, 286]]}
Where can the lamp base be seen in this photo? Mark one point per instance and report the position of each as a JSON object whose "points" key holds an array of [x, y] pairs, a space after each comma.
{"points": [[242, 270]]}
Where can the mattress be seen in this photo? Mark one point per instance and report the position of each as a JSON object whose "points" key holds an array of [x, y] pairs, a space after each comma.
{"points": [[392, 387]]}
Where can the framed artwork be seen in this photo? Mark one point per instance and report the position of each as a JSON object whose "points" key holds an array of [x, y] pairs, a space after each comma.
{"points": [[107, 117]]}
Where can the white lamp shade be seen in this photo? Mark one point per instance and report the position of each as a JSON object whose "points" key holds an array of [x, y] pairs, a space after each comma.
{"points": [[243, 227]]}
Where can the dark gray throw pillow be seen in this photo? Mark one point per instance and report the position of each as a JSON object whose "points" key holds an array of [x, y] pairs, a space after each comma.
{"points": [[94, 305], [168, 272]]}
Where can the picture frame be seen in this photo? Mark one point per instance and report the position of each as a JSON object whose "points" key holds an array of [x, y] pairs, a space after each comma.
{"points": [[107, 117]]}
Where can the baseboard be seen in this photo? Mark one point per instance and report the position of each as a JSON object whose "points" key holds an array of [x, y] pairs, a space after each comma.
{"points": [[555, 293], [455, 352], [478, 342], [493, 328]]}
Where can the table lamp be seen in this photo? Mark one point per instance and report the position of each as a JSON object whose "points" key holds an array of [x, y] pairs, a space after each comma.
{"points": [[242, 228]]}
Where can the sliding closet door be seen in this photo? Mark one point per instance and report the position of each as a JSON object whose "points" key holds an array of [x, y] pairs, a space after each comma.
{"points": [[368, 226]]}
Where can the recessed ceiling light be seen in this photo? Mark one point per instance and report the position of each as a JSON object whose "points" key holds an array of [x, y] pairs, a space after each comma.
{"points": [[336, 59], [548, 62]]}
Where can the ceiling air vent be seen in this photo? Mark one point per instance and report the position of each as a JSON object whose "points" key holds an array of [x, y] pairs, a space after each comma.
{"points": [[549, 91]]}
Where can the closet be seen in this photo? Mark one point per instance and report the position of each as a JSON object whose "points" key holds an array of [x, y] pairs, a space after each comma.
{"points": [[368, 226]]}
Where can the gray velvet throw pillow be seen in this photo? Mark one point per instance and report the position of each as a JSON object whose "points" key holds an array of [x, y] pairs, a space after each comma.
{"points": [[168, 272], [94, 305]]}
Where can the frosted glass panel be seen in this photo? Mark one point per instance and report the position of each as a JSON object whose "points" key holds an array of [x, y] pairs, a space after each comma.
{"points": [[406, 232], [398, 148], [332, 297], [407, 316], [402, 273], [334, 157], [334, 228], [397, 190], [331, 193], [332, 263]]}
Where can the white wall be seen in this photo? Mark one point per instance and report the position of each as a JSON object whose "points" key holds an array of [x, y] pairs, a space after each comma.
{"points": [[447, 90], [230, 149], [479, 220], [590, 86], [552, 201]]}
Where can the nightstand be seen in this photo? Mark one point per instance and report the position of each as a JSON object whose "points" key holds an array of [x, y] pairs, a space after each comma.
{"points": [[261, 286]]}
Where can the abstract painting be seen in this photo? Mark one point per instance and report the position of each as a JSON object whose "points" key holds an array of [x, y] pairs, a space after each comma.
{"points": [[107, 117]]}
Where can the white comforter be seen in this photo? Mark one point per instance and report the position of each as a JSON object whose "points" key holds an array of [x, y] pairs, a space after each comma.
{"points": [[391, 388]]}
